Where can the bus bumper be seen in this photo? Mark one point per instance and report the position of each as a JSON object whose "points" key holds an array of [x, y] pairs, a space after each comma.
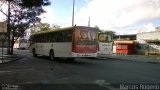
{"points": [[84, 54]]}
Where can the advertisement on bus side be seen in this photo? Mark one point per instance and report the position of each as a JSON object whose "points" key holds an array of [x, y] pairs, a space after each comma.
{"points": [[85, 40]]}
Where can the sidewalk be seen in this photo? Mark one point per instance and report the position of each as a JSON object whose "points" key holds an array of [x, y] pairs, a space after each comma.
{"points": [[9, 58], [138, 58]]}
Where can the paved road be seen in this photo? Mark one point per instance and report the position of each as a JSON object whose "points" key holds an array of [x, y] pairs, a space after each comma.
{"points": [[103, 73]]}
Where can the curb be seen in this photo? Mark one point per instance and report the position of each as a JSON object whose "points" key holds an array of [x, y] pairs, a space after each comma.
{"points": [[127, 59], [12, 58]]}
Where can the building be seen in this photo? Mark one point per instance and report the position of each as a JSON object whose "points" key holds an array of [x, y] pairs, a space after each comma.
{"points": [[124, 47], [153, 35], [125, 37], [3, 40], [149, 42], [124, 44]]}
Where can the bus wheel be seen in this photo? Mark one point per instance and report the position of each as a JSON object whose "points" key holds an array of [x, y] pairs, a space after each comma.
{"points": [[34, 53], [51, 55]]}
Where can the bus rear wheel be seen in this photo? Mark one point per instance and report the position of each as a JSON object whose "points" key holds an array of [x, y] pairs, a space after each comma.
{"points": [[34, 53], [51, 55]]}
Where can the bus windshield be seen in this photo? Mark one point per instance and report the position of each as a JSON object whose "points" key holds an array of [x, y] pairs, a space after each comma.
{"points": [[105, 43], [103, 37]]}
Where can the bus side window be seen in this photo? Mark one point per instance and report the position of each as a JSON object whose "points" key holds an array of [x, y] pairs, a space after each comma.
{"points": [[56, 36], [47, 38], [68, 36], [64, 38], [52, 37], [34, 38], [41, 39], [37, 37], [59, 37], [44, 38]]}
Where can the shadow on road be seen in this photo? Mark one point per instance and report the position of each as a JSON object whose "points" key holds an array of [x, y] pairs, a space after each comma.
{"points": [[77, 61]]}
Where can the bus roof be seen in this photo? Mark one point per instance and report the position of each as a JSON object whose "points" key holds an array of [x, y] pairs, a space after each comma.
{"points": [[53, 30], [58, 30]]}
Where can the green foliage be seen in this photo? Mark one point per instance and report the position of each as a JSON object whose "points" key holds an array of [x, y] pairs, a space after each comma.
{"points": [[55, 26], [34, 3], [23, 14], [21, 19], [44, 27], [38, 27]]}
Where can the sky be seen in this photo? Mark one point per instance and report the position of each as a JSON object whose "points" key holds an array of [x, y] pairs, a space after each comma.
{"points": [[121, 16]]}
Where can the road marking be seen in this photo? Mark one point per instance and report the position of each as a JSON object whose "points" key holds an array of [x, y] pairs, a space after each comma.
{"points": [[63, 78], [105, 84], [6, 71], [17, 70]]}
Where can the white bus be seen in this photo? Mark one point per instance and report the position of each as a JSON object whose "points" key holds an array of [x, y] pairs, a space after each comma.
{"points": [[23, 44], [105, 43], [71, 42]]}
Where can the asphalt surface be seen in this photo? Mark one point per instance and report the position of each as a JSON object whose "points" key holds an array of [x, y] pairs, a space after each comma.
{"points": [[83, 73]]}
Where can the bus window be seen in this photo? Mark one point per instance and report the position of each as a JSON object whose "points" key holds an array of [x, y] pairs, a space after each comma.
{"points": [[102, 37], [52, 37], [68, 36]]}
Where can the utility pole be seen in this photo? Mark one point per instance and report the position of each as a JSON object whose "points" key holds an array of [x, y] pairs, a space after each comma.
{"points": [[89, 21], [73, 13]]}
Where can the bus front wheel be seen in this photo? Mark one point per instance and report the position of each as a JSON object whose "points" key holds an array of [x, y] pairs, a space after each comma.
{"points": [[51, 55], [34, 53]]}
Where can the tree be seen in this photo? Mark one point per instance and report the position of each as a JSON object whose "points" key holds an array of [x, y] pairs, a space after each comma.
{"points": [[55, 26], [36, 27], [21, 15], [44, 26], [36, 3]]}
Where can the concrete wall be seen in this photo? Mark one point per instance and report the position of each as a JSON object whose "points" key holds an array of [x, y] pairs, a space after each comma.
{"points": [[154, 35], [144, 47]]}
